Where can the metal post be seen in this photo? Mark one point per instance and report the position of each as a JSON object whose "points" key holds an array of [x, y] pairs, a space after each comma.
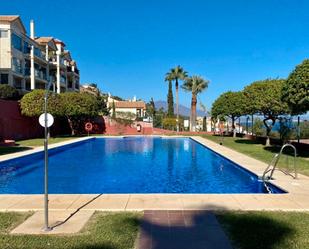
{"points": [[46, 226], [247, 125], [239, 125], [298, 129], [252, 124]]}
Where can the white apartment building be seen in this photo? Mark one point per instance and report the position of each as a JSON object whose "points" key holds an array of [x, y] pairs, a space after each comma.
{"points": [[27, 63]]}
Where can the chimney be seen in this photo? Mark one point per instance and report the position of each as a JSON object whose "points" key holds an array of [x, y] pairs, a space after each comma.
{"points": [[32, 29]]}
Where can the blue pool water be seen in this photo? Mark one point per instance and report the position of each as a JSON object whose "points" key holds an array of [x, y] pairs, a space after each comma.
{"points": [[129, 165]]}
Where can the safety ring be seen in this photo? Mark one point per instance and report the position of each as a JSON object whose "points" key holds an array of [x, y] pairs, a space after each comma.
{"points": [[88, 126]]}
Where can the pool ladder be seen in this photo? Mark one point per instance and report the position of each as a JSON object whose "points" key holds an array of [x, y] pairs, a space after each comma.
{"points": [[272, 166]]}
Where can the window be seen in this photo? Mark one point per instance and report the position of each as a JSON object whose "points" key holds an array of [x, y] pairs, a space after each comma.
{"points": [[28, 85], [4, 33], [38, 53], [27, 48], [27, 67], [16, 42], [17, 82], [17, 66], [4, 78]]}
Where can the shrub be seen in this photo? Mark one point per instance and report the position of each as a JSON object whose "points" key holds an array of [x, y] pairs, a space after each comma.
{"points": [[258, 127], [304, 129], [8, 92], [32, 104], [286, 129], [169, 123]]}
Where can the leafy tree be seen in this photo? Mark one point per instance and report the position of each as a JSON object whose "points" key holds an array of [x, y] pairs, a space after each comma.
{"points": [[32, 104], [8, 92], [113, 110], [285, 129], [230, 104], [118, 98], [258, 127], [295, 89], [102, 102], [264, 97], [170, 98], [195, 85], [78, 107], [304, 129], [169, 123], [158, 118], [151, 109], [177, 74]]}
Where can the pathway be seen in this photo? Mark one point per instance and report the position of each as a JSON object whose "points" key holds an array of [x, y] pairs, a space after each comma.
{"points": [[162, 229]]}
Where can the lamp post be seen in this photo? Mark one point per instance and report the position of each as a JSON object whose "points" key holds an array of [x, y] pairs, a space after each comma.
{"points": [[46, 225]]}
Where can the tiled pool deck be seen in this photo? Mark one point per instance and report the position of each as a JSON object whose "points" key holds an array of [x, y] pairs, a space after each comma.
{"points": [[297, 198]]}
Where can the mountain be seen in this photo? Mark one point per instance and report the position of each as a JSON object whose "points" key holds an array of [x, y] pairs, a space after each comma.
{"points": [[183, 110]]}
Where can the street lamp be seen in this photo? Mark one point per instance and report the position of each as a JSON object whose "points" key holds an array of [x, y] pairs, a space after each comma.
{"points": [[46, 120]]}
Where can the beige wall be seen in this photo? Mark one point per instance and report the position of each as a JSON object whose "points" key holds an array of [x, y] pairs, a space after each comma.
{"points": [[5, 48]]}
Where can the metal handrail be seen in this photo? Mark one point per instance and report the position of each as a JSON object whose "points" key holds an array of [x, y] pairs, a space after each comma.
{"points": [[272, 166]]}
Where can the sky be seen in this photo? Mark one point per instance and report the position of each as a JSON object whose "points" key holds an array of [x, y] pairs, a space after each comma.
{"points": [[126, 47]]}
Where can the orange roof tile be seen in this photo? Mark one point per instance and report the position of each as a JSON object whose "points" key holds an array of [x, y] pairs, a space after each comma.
{"points": [[43, 39], [8, 18], [13, 18], [128, 104]]}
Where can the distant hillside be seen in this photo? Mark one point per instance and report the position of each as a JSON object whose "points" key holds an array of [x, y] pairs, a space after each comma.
{"points": [[183, 110]]}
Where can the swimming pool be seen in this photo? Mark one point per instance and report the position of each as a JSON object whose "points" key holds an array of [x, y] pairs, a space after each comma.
{"points": [[129, 165]]}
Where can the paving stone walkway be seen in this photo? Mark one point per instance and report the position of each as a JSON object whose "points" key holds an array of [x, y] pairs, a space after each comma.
{"points": [[181, 230]]}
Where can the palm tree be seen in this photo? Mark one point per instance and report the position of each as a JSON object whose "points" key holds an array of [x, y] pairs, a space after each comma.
{"points": [[195, 85], [177, 74]]}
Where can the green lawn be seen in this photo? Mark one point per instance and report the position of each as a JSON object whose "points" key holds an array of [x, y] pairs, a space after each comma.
{"points": [[40, 141], [104, 231], [28, 144], [266, 230], [258, 151]]}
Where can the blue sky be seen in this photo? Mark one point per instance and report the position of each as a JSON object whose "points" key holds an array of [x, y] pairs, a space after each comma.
{"points": [[126, 47]]}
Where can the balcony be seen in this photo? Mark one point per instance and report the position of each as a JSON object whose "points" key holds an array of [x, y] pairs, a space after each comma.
{"points": [[17, 69], [63, 80], [39, 54], [69, 70], [53, 60], [27, 71], [40, 74]]}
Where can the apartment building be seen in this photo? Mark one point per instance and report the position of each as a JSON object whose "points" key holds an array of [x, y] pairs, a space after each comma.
{"points": [[28, 62]]}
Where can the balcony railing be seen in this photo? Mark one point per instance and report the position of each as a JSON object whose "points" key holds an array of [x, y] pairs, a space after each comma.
{"points": [[17, 69], [40, 74], [63, 80], [27, 72], [54, 59], [69, 69], [40, 54]]}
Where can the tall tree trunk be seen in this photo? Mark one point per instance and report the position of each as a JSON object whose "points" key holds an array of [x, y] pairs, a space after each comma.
{"points": [[268, 128], [71, 126], [193, 112], [233, 126], [177, 105]]}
